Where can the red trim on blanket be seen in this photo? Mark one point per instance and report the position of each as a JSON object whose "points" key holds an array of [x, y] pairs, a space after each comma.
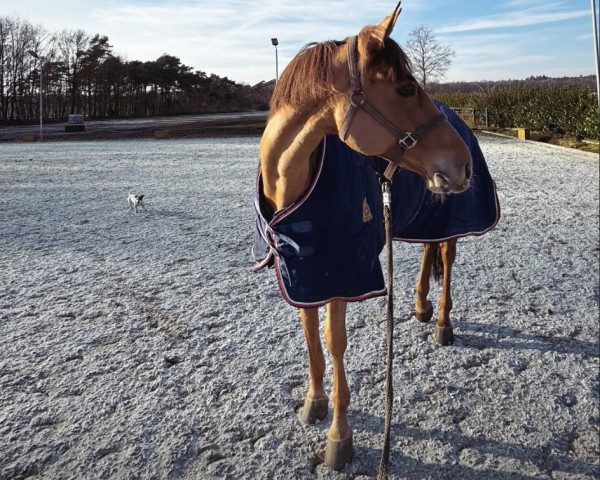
{"points": [[461, 235], [286, 297], [286, 212]]}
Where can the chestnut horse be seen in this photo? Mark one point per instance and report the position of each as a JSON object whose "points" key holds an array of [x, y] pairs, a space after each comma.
{"points": [[436, 262], [371, 102]]}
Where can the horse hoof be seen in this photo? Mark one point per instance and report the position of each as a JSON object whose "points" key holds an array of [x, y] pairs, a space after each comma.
{"points": [[424, 316], [338, 453], [444, 335], [313, 410]]}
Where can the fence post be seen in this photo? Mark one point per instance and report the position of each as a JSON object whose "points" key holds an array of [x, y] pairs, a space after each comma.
{"points": [[523, 133]]}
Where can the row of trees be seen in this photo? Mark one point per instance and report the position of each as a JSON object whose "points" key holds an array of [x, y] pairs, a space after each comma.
{"points": [[81, 74]]}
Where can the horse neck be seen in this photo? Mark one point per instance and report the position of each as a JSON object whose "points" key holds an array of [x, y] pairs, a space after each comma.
{"points": [[286, 146]]}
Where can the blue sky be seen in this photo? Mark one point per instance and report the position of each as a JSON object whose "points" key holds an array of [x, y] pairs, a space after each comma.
{"points": [[493, 40]]}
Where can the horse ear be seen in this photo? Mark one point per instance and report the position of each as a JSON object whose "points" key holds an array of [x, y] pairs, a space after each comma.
{"points": [[383, 30], [388, 22]]}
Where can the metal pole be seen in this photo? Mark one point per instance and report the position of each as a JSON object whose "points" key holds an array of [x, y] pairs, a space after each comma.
{"points": [[596, 51], [275, 42], [41, 106]]}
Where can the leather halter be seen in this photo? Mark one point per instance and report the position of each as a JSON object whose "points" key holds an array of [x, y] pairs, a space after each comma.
{"points": [[406, 140]]}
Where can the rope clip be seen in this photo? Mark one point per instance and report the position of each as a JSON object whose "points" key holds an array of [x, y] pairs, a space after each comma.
{"points": [[386, 190]]}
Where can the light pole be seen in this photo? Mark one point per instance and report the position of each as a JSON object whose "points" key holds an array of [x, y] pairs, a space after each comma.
{"points": [[275, 43], [41, 59], [596, 51]]}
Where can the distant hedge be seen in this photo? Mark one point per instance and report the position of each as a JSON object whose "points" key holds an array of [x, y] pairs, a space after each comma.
{"points": [[547, 108]]}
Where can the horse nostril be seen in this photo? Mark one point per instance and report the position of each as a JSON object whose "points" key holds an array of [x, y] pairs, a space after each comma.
{"points": [[468, 172]]}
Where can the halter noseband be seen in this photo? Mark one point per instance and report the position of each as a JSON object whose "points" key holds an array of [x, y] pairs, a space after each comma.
{"points": [[406, 140]]}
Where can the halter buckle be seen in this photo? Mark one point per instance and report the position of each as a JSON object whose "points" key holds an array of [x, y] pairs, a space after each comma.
{"points": [[358, 95], [408, 141]]}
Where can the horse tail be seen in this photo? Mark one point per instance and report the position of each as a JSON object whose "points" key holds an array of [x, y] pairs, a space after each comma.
{"points": [[437, 268]]}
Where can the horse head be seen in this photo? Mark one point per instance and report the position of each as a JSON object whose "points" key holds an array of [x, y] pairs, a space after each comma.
{"points": [[380, 109], [361, 88]]}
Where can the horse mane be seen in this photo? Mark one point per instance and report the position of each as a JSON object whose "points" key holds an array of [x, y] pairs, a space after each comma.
{"points": [[308, 78]]}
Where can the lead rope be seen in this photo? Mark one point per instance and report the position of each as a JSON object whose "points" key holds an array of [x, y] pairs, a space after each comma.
{"points": [[389, 389]]}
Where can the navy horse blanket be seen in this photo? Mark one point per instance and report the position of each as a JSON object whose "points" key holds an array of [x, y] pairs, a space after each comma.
{"points": [[326, 245]]}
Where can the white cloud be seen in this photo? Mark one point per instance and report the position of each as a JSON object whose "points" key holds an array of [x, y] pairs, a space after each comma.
{"points": [[513, 19]]}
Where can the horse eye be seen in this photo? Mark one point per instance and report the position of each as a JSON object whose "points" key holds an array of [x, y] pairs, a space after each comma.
{"points": [[407, 90]]}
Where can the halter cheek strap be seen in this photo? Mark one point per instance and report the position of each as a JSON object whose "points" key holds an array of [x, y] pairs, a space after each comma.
{"points": [[406, 140]]}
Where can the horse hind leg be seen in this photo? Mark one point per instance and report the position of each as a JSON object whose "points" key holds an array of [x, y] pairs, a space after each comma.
{"points": [[424, 307], [339, 437], [316, 403], [443, 330]]}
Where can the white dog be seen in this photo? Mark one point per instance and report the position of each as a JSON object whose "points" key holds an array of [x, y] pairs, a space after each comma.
{"points": [[134, 200]]}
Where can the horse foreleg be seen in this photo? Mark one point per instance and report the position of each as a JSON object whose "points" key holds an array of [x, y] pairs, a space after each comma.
{"points": [[316, 403], [423, 307], [443, 329], [339, 436]]}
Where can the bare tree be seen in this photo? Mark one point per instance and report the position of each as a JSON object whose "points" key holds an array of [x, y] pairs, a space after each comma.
{"points": [[71, 46], [429, 58], [4, 32]]}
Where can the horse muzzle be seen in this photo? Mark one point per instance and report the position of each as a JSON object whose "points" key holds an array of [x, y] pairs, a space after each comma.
{"points": [[444, 184]]}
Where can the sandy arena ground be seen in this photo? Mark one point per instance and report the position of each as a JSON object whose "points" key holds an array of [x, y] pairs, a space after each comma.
{"points": [[144, 347]]}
